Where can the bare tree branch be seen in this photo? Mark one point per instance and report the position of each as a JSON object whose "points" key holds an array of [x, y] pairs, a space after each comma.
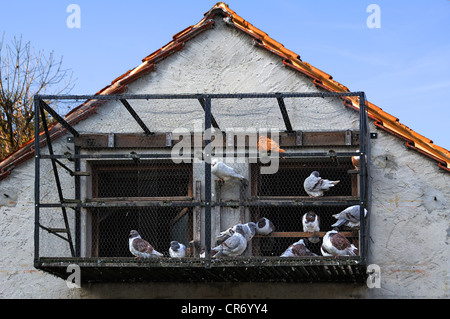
{"points": [[23, 74]]}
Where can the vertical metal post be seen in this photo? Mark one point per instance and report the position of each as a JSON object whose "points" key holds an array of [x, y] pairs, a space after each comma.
{"points": [[36, 180], [77, 166], [363, 174], [207, 160]]}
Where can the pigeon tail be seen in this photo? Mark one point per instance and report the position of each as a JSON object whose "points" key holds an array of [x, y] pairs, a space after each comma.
{"points": [[339, 223], [352, 249]]}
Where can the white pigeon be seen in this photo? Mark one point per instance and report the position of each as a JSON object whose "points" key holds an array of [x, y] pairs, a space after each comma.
{"points": [[177, 249], [141, 248], [349, 217], [202, 252], [315, 186], [297, 249], [224, 172], [264, 226], [233, 246], [249, 231], [310, 222], [335, 244]]}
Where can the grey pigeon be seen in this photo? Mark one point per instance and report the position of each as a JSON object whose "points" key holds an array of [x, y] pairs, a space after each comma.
{"points": [[249, 231], [335, 244], [310, 222], [233, 246], [297, 249], [315, 186], [349, 217], [177, 249], [264, 226], [141, 248], [224, 172]]}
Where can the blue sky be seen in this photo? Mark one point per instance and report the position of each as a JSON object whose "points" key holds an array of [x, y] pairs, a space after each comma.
{"points": [[403, 66]]}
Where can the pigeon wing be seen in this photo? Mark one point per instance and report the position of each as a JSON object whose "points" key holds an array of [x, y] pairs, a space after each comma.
{"points": [[232, 243], [340, 241], [325, 184], [142, 246], [310, 182], [224, 170], [301, 250]]}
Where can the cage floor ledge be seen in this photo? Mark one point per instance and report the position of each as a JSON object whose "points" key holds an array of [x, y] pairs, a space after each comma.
{"points": [[243, 269]]}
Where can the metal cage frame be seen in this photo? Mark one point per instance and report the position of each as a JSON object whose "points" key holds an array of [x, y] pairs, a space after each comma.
{"points": [[245, 269]]}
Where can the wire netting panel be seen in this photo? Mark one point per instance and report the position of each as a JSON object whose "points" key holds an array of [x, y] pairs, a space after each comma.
{"points": [[291, 174], [146, 186], [284, 201], [157, 225], [289, 229], [141, 179], [118, 187]]}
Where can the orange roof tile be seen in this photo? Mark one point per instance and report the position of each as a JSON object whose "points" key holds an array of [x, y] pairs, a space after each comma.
{"points": [[291, 59]]}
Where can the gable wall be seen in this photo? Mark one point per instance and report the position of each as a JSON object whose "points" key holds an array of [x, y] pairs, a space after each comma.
{"points": [[409, 228]]}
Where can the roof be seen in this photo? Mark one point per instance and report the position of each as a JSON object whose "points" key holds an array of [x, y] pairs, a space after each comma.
{"points": [[382, 119]]}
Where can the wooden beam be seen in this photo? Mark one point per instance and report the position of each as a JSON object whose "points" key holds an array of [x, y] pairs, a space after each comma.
{"points": [[159, 140], [305, 234], [87, 141]]}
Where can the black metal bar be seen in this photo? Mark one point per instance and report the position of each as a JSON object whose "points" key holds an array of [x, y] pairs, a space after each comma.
{"points": [[259, 203], [286, 203], [125, 204], [195, 96], [54, 233], [213, 120], [57, 117], [64, 166], [285, 114], [135, 116], [168, 156], [36, 179], [207, 183], [363, 173], [77, 166], [58, 182]]}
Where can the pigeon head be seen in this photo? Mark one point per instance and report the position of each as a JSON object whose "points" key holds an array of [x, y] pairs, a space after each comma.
{"points": [[315, 173], [310, 216], [252, 227], [240, 229], [214, 162], [175, 245], [261, 222], [134, 234]]}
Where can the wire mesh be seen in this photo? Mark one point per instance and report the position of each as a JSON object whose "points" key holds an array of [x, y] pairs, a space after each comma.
{"points": [[159, 199]]}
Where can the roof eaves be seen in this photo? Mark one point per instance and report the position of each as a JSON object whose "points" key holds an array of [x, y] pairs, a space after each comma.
{"points": [[325, 81]]}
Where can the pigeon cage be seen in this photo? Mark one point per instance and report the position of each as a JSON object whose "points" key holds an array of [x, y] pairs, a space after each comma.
{"points": [[189, 168]]}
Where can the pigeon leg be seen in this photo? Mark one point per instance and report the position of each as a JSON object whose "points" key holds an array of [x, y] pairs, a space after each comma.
{"points": [[315, 235]]}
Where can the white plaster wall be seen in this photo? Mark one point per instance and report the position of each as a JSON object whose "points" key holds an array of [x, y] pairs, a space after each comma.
{"points": [[409, 228], [410, 221], [18, 277]]}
